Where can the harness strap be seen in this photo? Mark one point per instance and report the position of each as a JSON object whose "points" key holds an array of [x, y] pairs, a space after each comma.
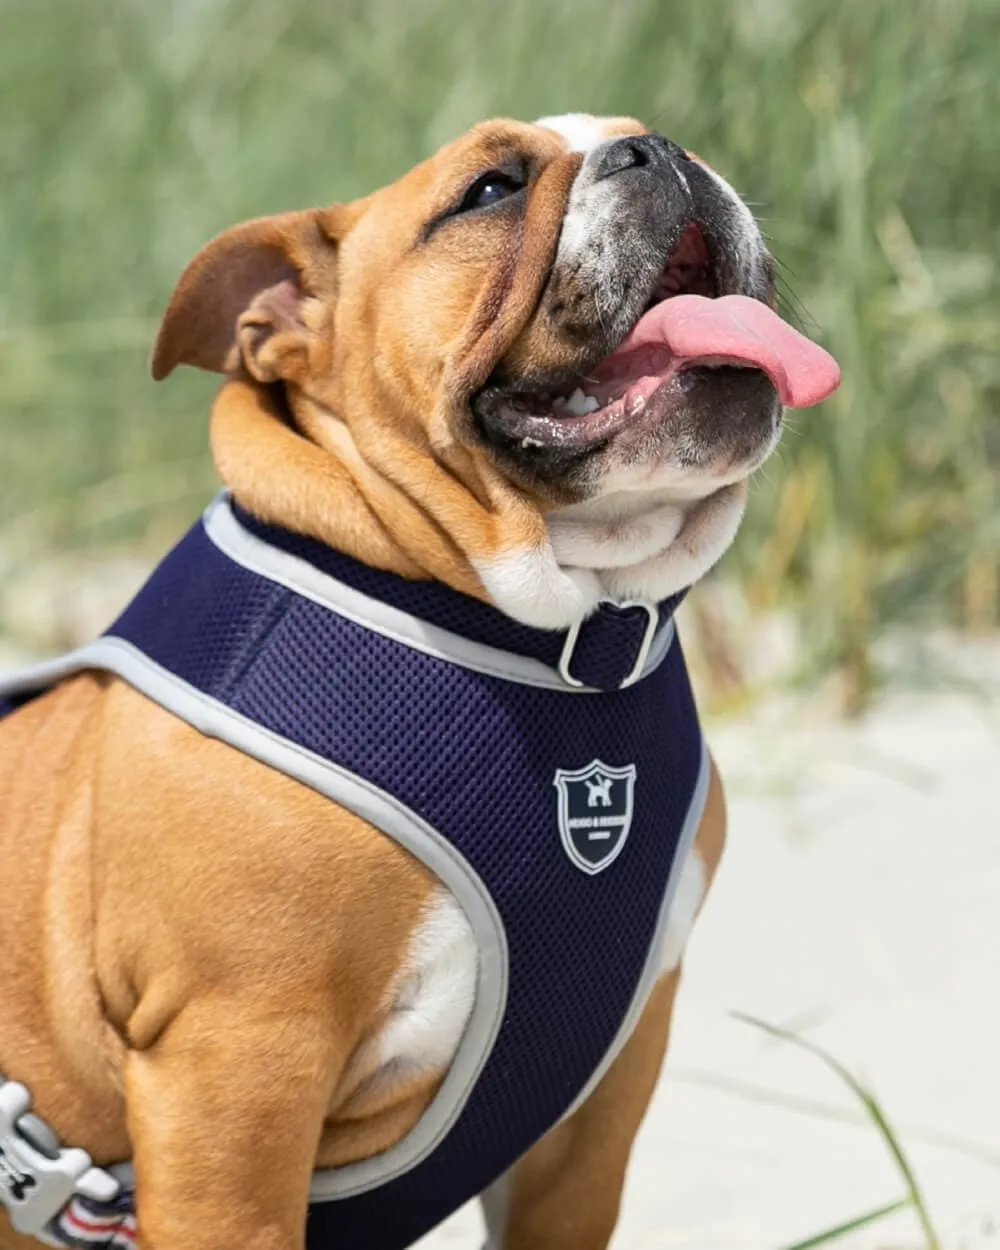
{"points": [[606, 651], [55, 1193]]}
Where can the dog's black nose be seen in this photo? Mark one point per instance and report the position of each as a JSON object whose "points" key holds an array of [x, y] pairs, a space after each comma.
{"points": [[636, 151]]}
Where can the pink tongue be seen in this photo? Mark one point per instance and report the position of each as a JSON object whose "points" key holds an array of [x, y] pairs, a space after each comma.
{"points": [[740, 329]]}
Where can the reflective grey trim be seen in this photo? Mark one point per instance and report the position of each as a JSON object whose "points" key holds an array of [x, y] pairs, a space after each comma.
{"points": [[287, 570], [651, 968], [384, 812], [18, 681]]}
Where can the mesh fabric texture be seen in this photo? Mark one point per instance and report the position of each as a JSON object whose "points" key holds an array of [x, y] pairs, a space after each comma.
{"points": [[606, 647], [476, 757]]}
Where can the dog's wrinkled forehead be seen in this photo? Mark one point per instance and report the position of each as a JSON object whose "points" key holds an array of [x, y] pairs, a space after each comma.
{"points": [[522, 149], [502, 144]]}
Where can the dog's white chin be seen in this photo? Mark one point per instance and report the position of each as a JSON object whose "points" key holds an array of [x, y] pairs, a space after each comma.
{"points": [[636, 548], [706, 531]]}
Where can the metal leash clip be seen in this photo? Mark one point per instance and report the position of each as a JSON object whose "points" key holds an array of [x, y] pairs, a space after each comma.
{"points": [[38, 1177]]}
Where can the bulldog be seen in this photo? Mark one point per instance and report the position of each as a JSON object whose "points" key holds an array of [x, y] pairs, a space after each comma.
{"points": [[348, 876]]}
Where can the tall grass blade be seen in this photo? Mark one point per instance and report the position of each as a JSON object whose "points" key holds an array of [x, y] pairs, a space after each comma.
{"points": [[875, 1113], [851, 1226]]}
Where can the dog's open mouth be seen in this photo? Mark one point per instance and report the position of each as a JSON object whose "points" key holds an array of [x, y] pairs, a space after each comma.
{"points": [[686, 331]]}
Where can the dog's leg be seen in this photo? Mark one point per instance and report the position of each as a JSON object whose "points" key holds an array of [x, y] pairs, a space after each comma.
{"points": [[224, 1163], [565, 1192]]}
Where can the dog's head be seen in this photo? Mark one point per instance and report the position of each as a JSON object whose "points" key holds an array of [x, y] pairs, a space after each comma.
{"points": [[545, 359]]}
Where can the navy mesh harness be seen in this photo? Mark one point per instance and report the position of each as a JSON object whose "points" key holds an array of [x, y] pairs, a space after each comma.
{"points": [[557, 812]]}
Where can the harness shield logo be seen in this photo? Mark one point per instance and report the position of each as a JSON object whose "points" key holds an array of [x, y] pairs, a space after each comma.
{"points": [[595, 813]]}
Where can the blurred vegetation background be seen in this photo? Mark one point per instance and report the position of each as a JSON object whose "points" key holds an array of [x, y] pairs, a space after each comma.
{"points": [[863, 133]]}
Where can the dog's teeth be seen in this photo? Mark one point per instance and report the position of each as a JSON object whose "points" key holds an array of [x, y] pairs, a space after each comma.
{"points": [[724, 362], [530, 442], [579, 404], [636, 405]]}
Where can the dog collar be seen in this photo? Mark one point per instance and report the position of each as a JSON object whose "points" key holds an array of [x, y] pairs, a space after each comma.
{"points": [[614, 647]]}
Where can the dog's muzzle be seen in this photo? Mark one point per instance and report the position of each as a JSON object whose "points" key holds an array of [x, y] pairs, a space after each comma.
{"points": [[655, 326]]}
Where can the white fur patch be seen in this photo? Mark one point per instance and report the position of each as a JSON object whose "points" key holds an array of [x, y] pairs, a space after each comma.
{"points": [[622, 547], [435, 990], [687, 901], [604, 541], [709, 527], [582, 131], [528, 584]]}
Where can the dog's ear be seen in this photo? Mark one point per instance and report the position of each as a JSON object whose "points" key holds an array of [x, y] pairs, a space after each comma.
{"points": [[243, 301]]}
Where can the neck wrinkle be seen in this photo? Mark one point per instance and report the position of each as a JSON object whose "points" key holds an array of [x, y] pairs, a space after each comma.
{"points": [[321, 492]]}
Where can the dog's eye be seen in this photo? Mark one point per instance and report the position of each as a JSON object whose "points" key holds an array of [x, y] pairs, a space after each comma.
{"points": [[490, 189]]}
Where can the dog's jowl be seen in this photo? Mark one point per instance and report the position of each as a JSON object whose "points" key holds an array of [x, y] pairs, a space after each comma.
{"points": [[344, 868]]}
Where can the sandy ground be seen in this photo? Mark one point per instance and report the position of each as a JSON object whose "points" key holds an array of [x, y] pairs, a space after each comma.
{"points": [[859, 902]]}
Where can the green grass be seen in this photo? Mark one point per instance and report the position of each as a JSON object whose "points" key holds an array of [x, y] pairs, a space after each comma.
{"points": [[862, 131], [912, 1199]]}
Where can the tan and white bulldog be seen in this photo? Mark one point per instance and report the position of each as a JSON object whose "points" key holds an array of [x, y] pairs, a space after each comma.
{"points": [[539, 368]]}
